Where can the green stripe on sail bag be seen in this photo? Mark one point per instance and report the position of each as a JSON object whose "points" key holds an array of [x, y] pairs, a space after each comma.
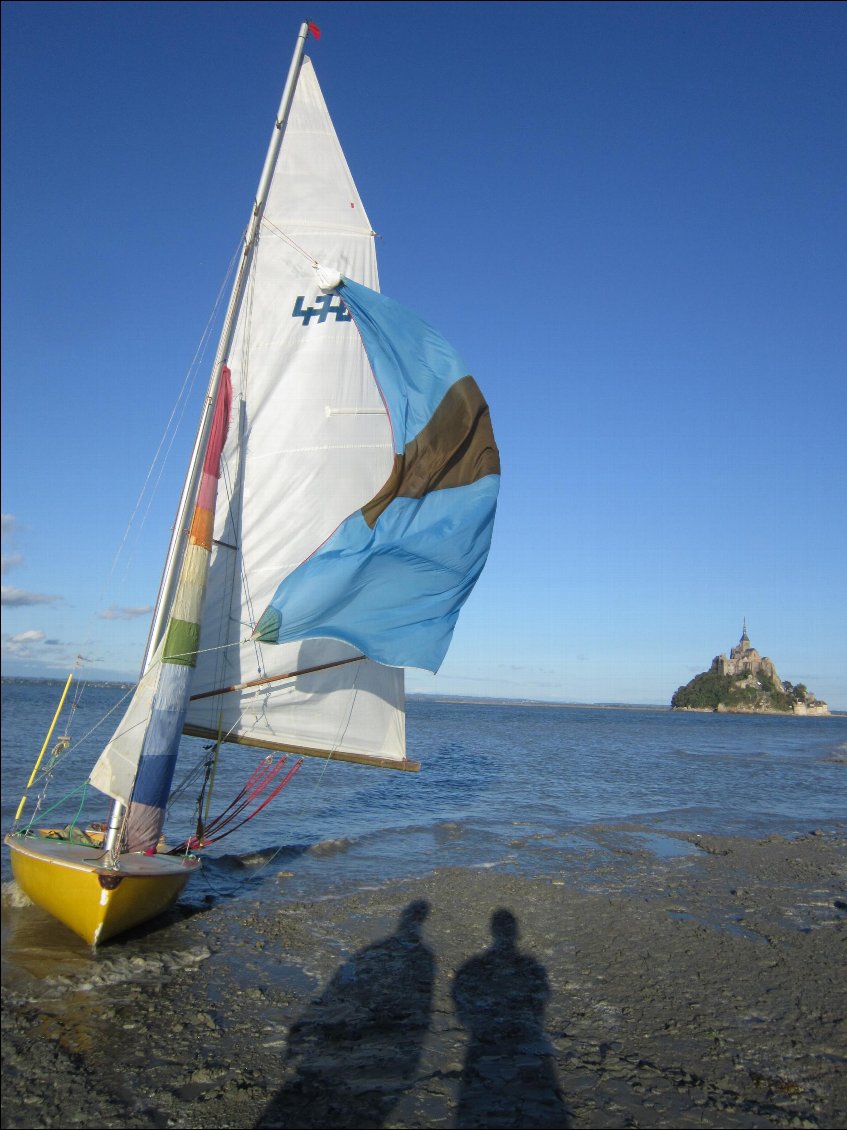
{"points": [[181, 643]]}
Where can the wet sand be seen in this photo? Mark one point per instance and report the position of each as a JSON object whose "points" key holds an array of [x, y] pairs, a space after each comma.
{"points": [[706, 990]]}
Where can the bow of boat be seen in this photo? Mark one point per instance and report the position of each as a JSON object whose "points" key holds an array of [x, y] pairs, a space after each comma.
{"points": [[77, 884]]}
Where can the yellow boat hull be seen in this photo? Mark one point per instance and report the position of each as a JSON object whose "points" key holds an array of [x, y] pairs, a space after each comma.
{"points": [[71, 882]]}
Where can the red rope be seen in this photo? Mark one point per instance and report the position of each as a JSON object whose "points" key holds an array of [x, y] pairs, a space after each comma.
{"points": [[262, 777], [264, 803], [245, 794]]}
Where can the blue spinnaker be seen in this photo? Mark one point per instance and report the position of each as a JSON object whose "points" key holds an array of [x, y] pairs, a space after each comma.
{"points": [[393, 577]]}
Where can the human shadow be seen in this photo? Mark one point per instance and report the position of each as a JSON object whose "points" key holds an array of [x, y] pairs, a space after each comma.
{"points": [[356, 1049], [509, 1076]]}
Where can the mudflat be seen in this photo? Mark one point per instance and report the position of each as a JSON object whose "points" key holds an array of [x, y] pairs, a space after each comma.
{"points": [[706, 990]]}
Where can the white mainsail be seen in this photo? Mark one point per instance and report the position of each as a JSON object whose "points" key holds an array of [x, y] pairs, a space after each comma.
{"points": [[309, 442]]}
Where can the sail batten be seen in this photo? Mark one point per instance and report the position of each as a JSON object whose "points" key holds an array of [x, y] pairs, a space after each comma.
{"points": [[404, 764], [276, 678]]}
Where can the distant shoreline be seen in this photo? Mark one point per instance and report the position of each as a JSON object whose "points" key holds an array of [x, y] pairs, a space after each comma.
{"points": [[742, 710], [470, 700], [467, 700], [459, 700], [448, 699], [56, 681]]}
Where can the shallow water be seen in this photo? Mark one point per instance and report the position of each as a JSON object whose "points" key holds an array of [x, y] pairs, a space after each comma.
{"points": [[534, 789]]}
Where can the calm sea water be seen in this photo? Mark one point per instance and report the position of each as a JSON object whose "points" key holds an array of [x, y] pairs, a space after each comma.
{"points": [[514, 786]]}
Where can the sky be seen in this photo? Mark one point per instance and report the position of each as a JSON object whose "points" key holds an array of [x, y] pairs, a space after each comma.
{"points": [[628, 218]]}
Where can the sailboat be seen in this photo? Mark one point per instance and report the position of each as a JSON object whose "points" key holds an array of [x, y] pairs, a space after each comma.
{"points": [[336, 513]]}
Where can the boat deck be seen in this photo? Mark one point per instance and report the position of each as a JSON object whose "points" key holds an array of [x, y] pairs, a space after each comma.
{"points": [[83, 857]]}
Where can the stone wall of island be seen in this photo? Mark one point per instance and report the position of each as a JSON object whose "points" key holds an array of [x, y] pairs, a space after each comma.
{"points": [[746, 682]]}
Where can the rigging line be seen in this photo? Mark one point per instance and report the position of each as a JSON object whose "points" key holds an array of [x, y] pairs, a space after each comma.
{"points": [[76, 699], [99, 722], [197, 651], [319, 781], [342, 730], [201, 765], [287, 239], [254, 785], [233, 809], [196, 366], [246, 373], [128, 694], [247, 321], [224, 620], [188, 778], [250, 792], [44, 775], [182, 397], [45, 812], [194, 772], [280, 786], [232, 479], [225, 737], [277, 679], [230, 565], [177, 411]]}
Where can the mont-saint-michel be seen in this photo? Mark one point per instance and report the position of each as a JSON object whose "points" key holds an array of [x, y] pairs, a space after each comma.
{"points": [[746, 683]]}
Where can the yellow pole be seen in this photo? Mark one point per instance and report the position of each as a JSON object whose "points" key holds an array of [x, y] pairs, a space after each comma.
{"points": [[44, 747]]}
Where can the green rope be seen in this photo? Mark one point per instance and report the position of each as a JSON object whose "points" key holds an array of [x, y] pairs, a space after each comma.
{"points": [[72, 824], [38, 814]]}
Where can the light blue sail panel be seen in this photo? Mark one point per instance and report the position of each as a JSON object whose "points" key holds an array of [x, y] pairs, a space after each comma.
{"points": [[412, 363], [393, 577], [393, 591]]}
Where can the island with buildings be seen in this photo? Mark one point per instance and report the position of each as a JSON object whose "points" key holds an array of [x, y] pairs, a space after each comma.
{"points": [[746, 683]]}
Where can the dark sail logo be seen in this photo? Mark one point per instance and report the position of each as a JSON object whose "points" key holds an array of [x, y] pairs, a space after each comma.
{"points": [[321, 310]]}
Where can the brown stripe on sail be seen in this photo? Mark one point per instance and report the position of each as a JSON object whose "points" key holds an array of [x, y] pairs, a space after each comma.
{"points": [[454, 449]]}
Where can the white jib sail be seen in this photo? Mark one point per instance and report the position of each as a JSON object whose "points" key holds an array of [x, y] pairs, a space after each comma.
{"points": [[309, 443]]}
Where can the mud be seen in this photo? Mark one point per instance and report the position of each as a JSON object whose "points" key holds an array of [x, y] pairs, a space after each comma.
{"points": [[706, 990]]}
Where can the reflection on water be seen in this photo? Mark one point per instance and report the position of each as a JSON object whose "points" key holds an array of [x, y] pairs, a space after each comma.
{"points": [[44, 961]]}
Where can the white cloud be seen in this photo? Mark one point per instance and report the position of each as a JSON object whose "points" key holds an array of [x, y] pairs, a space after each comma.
{"points": [[20, 598], [125, 613], [21, 644], [32, 635]]}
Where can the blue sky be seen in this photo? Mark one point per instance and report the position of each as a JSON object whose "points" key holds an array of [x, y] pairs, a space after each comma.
{"points": [[628, 218]]}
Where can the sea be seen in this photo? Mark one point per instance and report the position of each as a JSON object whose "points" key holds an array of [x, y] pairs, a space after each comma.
{"points": [[532, 788]]}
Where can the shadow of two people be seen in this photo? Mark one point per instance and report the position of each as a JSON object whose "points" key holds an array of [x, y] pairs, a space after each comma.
{"points": [[355, 1052]]}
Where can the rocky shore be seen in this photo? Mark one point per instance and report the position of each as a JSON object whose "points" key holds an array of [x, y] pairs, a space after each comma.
{"points": [[707, 990]]}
